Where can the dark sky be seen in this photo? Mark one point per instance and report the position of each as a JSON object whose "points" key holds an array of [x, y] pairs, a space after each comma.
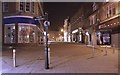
{"points": [[58, 11]]}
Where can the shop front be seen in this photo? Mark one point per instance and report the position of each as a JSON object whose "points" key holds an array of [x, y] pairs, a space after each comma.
{"points": [[21, 30], [104, 37], [77, 35], [88, 38], [108, 32]]}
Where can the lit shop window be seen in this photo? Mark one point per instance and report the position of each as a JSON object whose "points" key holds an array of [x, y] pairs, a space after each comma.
{"points": [[9, 33], [32, 35], [106, 38], [21, 6], [5, 6], [99, 38], [26, 34], [27, 6], [103, 38]]}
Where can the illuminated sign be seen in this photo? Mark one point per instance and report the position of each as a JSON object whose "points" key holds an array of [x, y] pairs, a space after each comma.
{"points": [[75, 31]]}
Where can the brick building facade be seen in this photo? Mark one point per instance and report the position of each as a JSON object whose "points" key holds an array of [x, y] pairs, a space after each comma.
{"points": [[99, 25], [19, 25]]}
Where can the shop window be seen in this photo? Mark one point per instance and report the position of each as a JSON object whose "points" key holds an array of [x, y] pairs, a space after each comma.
{"points": [[32, 35], [9, 34], [103, 38], [5, 7], [99, 38], [26, 34], [106, 38], [23, 34]]}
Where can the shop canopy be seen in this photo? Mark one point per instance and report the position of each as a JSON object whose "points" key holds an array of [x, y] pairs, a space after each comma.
{"points": [[20, 19]]}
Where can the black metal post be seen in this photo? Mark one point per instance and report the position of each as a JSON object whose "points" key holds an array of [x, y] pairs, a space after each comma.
{"points": [[46, 24], [46, 49], [46, 44]]}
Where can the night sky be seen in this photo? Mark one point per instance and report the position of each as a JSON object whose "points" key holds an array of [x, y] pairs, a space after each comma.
{"points": [[58, 11]]}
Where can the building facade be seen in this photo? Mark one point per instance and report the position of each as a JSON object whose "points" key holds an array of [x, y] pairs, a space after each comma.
{"points": [[79, 22], [93, 19], [75, 25], [100, 24], [19, 25], [66, 31], [108, 28]]}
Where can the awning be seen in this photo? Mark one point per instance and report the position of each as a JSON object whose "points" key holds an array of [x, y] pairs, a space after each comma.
{"points": [[20, 19]]}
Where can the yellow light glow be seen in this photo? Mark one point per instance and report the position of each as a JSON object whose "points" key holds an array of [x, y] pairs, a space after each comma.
{"points": [[62, 30]]}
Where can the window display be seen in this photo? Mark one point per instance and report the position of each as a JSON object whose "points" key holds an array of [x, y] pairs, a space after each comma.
{"points": [[21, 29], [103, 38], [26, 34], [106, 38], [99, 38], [9, 33]]}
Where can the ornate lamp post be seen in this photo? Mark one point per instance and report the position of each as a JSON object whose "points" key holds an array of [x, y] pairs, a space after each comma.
{"points": [[46, 24]]}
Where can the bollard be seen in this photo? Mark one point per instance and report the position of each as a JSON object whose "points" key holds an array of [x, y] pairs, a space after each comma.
{"points": [[113, 48], [49, 55], [106, 50], [93, 51], [14, 57]]}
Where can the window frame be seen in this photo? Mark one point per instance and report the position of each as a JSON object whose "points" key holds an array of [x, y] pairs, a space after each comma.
{"points": [[22, 5], [5, 8], [28, 7]]}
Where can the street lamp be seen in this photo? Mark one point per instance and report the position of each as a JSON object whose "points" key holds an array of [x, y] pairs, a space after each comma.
{"points": [[46, 24], [62, 30]]}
